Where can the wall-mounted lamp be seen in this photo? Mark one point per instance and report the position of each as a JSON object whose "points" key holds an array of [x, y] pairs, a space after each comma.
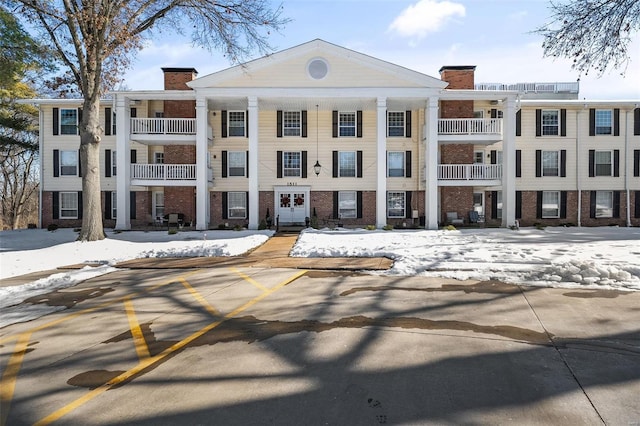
{"points": [[317, 167]]}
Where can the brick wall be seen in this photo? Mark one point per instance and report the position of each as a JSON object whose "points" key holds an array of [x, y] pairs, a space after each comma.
{"points": [[457, 199], [180, 199], [620, 221]]}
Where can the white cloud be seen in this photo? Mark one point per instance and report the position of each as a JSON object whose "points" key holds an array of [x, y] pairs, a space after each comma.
{"points": [[426, 16]]}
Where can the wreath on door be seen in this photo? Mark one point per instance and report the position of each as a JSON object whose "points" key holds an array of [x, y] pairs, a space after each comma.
{"points": [[284, 201], [299, 200]]}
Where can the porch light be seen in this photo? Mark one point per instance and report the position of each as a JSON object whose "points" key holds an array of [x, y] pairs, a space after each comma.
{"points": [[316, 168]]}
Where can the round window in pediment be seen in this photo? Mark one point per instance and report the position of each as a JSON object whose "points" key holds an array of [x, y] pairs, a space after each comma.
{"points": [[318, 68]]}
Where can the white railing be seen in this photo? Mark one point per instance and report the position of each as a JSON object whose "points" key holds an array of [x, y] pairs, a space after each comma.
{"points": [[162, 172], [469, 126], [557, 87], [163, 126], [470, 171]]}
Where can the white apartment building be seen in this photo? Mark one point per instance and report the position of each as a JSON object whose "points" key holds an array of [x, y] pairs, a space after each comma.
{"points": [[319, 131]]}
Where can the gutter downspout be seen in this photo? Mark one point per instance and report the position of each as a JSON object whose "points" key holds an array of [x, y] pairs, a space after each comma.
{"points": [[40, 148], [578, 181], [626, 166]]}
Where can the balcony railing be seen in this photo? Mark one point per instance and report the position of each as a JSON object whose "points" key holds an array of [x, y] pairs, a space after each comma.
{"points": [[163, 172], [470, 171], [571, 87], [469, 126], [163, 126]]}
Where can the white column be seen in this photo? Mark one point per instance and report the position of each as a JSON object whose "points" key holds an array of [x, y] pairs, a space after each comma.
{"points": [[381, 188], [202, 152], [431, 164], [123, 160], [254, 195], [509, 163]]}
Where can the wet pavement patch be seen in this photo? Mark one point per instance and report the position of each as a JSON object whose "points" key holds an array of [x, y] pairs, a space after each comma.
{"points": [[603, 294], [93, 379], [155, 346], [484, 287], [68, 298]]}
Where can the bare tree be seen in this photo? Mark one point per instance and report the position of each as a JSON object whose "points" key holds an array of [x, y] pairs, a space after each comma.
{"points": [[595, 34], [96, 39], [19, 183]]}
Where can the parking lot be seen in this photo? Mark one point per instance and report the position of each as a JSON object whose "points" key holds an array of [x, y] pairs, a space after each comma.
{"points": [[242, 345]]}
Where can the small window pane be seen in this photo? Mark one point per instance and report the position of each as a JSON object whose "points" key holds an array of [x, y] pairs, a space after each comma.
{"points": [[603, 122], [291, 164], [236, 163], [236, 123], [158, 199], [395, 164], [603, 163], [550, 204], [550, 163], [396, 123], [604, 204], [499, 205], [347, 164], [237, 202], [68, 205], [395, 204], [68, 163], [291, 123], [550, 122], [114, 205], [347, 204], [68, 121], [347, 123]]}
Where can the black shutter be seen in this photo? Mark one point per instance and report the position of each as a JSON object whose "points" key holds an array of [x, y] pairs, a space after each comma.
{"points": [[223, 124], [539, 205], [107, 205], [518, 163], [246, 203], [246, 124], [335, 204], [636, 162], [279, 123], [563, 204], [134, 156], [304, 123], [132, 205], [359, 164], [335, 163], [592, 122], [79, 165], [334, 124], [407, 205], [56, 163], [616, 163], [538, 163], [279, 164], [407, 167], [518, 204], [636, 121], [359, 124], [592, 204], [224, 164], [79, 204], [107, 163], [616, 204], [79, 119], [359, 204], [407, 124], [56, 123], [563, 122], [637, 204], [592, 162], [133, 112], [225, 205], [563, 163], [538, 122], [246, 171], [494, 113], [107, 121], [519, 123], [494, 204], [616, 122], [304, 164], [493, 155], [55, 208]]}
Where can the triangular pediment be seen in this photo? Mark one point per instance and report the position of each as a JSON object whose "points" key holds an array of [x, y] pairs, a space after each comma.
{"points": [[317, 64]]}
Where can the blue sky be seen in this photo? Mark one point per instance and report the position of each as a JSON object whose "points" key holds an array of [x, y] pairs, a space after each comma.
{"points": [[423, 35]]}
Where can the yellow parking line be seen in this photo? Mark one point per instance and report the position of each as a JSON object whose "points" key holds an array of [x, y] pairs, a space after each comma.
{"points": [[250, 280], [136, 332], [146, 363], [8, 381], [199, 298]]}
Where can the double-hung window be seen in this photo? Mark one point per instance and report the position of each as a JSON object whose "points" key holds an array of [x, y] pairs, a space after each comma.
{"points": [[395, 204], [550, 204], [604, 203], [347, 124], [69, 121], [347, 164], [395, 164], [550, 122], [237, 163], [114, 167], [603, 163], [395, 123], [68, 205], [291, 123], [236, 123], [158, 205], [114, 205], [498, 204], [291, 164], [604, 122], [550, 163], [347, 204], [237, 205], [68, 163]]}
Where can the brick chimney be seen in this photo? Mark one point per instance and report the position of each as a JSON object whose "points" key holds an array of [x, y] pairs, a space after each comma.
{"points": [[459, 78]]}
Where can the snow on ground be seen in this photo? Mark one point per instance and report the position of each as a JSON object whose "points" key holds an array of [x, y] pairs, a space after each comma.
{"points": [[602, 258]]}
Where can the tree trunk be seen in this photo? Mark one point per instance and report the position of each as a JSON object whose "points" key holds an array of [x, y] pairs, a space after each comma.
{"points": [[90, 136]]}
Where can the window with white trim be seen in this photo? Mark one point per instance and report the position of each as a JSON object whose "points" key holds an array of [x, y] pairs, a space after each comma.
{"points": [[291, 163], [158, 205], [604, 122], [114, 205], [603, 163], [237, 205], [291, 123], [550, 163], [68, 205], [604, 204], [69, 121], [114, 168], [550, 122], [236, 163], [347, 164], [550, 204], [499, 204], [236, 123], [347, 124], [395, 123], [395, 163], [158, 158], [395, 204], [347, 204], [69, 163]]}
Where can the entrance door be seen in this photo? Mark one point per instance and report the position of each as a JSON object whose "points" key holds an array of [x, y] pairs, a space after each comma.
{"points": [[292, 207], [478, 205]]}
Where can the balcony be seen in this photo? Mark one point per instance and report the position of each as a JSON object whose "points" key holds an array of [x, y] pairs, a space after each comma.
{"points": [[163, 174], [474, 130], [469, 174], [164, 131]]}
